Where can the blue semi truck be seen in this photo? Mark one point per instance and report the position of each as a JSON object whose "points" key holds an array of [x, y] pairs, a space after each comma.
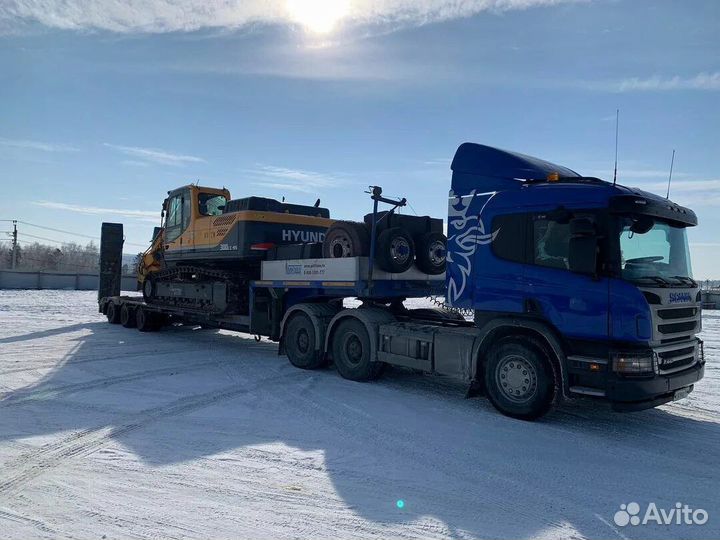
{"points": [[576, 288]]}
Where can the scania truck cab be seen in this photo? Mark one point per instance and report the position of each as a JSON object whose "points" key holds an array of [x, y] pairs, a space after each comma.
{"points": [[596, 269]]}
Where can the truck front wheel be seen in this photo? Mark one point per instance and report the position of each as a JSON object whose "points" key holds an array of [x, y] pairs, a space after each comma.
{"points": [[518, 379], [300, 343], [351, 350]]}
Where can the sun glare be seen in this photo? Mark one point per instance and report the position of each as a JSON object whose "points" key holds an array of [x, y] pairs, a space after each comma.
{"points": [[319, 16]]}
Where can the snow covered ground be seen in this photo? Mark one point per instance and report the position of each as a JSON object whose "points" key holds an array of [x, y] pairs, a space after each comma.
{"points": [[110, 433]]}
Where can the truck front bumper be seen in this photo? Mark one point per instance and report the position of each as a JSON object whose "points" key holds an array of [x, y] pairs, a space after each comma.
{"points": [[635, 394]]}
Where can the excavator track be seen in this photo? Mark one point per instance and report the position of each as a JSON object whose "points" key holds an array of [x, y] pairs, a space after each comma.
{"points": [[207, 290]]}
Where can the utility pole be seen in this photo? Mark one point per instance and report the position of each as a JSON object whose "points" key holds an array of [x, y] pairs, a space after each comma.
{"points": [[14, 244]]}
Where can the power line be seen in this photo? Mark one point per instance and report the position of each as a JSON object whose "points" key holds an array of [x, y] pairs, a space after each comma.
{"points": [[54, 229], [59, 230], [43, 238]]}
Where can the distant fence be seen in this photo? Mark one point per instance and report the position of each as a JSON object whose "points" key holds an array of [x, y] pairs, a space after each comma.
{"points": [[20, 279]]}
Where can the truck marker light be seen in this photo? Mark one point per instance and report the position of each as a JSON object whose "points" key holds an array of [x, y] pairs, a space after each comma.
{"points": [[594, 367]]}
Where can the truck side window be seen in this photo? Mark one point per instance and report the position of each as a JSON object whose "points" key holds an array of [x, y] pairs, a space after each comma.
{"points": [[509, 242], [551, 243]]}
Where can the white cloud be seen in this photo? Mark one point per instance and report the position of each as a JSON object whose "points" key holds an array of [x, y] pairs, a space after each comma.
{"points": [[701, 81], [37, 145], [155, 155], [143, 215], [282, 179], [188, 15]]}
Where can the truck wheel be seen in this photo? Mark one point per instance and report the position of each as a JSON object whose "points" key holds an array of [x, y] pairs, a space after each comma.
{"points": [[346, 239], [127, 317], [431, 252], [300, 342], [144, 320], [395, 250], [113, 313], [148, 289], [351, 352], [518, 379]]}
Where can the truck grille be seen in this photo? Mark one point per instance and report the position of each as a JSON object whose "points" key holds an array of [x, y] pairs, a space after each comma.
{"points": [[674, 328], [677, 313], [676, 357]]}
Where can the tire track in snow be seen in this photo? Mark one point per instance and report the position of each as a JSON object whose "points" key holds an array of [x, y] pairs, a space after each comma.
{"points": [[87, 441]]}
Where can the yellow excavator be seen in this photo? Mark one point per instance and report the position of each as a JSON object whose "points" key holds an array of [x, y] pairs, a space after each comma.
{"points": [[210, 245]]}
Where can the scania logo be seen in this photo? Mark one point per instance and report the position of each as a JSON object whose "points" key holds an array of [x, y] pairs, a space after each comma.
{"points": [[680, 297]]}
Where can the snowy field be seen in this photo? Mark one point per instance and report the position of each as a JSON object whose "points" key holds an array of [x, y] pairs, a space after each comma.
{"points": [[186, 433]]}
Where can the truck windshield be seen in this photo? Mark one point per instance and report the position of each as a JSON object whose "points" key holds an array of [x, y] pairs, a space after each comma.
{"points": [[655, 251]]}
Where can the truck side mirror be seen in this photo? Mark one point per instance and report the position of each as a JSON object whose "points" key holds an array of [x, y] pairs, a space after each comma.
{"points": [[582, 256]]}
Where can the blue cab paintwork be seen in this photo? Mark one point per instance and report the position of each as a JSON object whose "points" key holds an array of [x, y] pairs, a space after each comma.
{"points": [[487, 183]]}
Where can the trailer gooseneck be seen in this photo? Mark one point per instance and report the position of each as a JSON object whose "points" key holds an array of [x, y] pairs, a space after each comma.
{"points": [[579, 287]]}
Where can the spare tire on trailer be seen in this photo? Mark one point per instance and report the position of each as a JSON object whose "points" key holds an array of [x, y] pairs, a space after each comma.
{"points": [[431, 253], [395, 251], [346, 239]]}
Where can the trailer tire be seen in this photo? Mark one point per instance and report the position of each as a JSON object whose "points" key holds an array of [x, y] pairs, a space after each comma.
{"points": [[431, 253], [300, 343], [113, 313], [351, 348], [145, 320], [127, 316], [346, 239], [519, 379], [395, 250]]}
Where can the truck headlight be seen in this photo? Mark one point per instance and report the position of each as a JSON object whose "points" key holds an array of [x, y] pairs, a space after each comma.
{"points": [[635, 363]]}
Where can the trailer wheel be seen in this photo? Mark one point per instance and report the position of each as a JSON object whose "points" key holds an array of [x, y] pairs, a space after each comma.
{"points": [[395, 250], [145, 320], [518, 379], [351, 352], [431, 252], [300, 343], [113, 313], [127, 317], [346, 239]]}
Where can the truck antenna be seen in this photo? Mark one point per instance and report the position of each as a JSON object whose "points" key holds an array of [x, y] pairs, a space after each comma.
{"points": [[617, 123], [672, 162]]}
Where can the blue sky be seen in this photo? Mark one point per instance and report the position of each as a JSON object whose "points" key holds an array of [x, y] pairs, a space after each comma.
{"points": [[107, 105]]}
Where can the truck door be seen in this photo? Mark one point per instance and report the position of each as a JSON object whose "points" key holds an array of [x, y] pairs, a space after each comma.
{"points": [[576, 304]]}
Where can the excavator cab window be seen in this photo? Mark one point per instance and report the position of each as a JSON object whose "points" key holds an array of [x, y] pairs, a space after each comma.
{"points": [[178, 216], [210, 204]]}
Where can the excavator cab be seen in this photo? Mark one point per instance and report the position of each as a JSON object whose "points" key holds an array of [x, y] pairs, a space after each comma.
{"points": [[189, 211]]}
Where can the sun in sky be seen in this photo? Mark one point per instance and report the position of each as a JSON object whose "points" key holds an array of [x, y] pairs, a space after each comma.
{"points": [[318, 16]]}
